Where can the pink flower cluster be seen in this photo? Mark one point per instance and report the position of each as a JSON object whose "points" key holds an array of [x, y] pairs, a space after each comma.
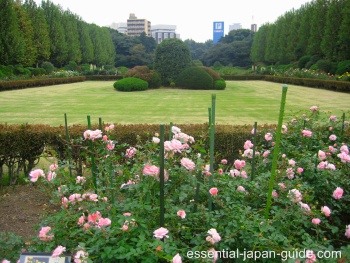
{"points": [[43, 234], [36, 174], [344, 154], [213, 237], [307, 133], [92, 135], [131, 152], [94, 219], [81, 256], [295, 196], [338, 193], [188, 164], [58, 251]]}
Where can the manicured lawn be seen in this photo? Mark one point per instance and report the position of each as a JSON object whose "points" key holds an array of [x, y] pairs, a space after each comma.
{"points": [[242, 102]]}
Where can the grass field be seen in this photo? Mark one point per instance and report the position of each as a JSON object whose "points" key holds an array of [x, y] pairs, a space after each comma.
{"points": [[242, 102]]}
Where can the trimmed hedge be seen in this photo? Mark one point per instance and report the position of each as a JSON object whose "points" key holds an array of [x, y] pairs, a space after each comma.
{"points": [[31, 83], [335, 85], [103, 77]]}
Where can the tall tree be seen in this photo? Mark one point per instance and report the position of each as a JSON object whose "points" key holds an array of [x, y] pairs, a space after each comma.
{"points": [[271, 54], [317, 26], [25, 27], [70, 24], [41, 41], [304, 29], [58, 45], [172, 56], [86, 46], [258, 50], [11, 41], [344, 36]]}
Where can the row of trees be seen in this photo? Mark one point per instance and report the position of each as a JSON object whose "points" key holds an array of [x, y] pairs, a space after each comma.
{"points": [[319, 28], [30, 35]]}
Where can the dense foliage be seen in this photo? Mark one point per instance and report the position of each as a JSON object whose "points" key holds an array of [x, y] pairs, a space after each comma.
{"points": [[319, 28], [143, 72], [131, 84], [172, 56]]}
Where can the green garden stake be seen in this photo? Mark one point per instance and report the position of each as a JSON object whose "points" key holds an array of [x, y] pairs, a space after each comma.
{"points": [[68, 148], [92, 155], [161, 176], [170, 131], [100, 123], [211, 146], [253, 158], [276, 151], [343, 123]]}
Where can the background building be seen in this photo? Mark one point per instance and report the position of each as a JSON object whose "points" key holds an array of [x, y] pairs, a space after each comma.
{"points": [[161, 32], [218, 31], [234, 26], [121, 27], [253, 27], [136, 26]]}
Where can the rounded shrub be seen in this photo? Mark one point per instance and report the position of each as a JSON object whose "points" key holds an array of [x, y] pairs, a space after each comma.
{"points": [[146, 74], [130, 84], [212, 73], [343, 67], [195, 78], [48, 66], [220, 84], [324, 65]]}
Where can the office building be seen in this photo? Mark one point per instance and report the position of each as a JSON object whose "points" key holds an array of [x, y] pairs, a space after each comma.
{"points": [[136, 26], [234, 26], [121, 27], [253, 27], [161, 32]]}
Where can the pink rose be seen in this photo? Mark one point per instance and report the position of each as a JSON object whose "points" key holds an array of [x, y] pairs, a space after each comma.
{"points": [[223, 161], [241, 188], [151, 170], [127, 214], [300, 170], [291, 162], [316, 221], [239, 164], [307, 133], [268, 136], [338, 193], [188, 164], [35, 174], [314, 108], [304, 206], [177, 259], [160, 233], [347, 232], [43, 234], [181, 213], [295, 196], [213, 191], [156, 140], [333, 137], [247, 145], [326, 210], [130, 152], [53, 167], [125, 227], [58, 251], [214, 236]]}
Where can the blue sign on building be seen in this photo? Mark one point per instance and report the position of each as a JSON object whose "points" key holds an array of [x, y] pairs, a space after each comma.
{"points": [[218, 31]]}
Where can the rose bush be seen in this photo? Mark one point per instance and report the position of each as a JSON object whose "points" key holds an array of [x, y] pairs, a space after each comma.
{"points": [[112, 212]]}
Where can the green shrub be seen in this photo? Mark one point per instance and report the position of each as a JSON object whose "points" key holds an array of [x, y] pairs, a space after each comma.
{"points": [[7, 70], [71, 66], [121, 70], [38, 71], [220, 84], [312, 61], [48, 66], [343, 67], [195, 78], [324, 65], [146, 74], [212, 73], [130, 84]]}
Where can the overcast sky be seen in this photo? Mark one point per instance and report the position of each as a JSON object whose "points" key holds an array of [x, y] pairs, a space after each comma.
{"points": [[193, 19]]}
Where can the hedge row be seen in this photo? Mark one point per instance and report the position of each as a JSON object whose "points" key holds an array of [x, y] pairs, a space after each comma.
{"points": [[22, 145], [335, 85], [30, 83], [103, 77]]}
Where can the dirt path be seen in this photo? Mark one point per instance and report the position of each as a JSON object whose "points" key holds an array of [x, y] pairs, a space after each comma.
{"points": [[21, 207]]}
